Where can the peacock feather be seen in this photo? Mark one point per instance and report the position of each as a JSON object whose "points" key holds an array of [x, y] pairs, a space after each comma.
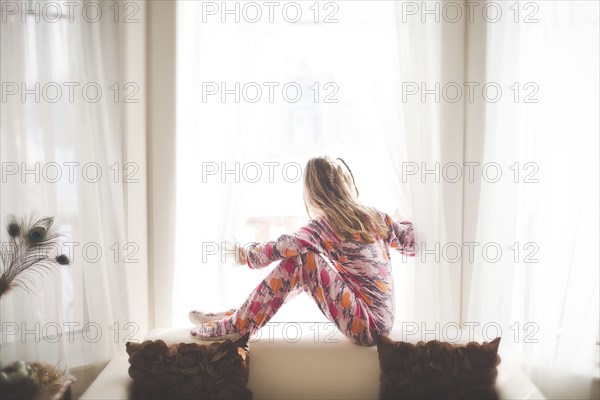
{"points": [[31, 251]]}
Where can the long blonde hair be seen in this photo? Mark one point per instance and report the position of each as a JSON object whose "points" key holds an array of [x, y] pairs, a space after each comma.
{"points": [[331, 191]]}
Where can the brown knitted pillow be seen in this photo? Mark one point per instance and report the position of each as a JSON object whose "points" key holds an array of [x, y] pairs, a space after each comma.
{"points": [[190, 370], [438, 370]]}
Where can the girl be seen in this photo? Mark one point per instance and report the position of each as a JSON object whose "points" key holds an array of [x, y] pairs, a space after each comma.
{"points": [[341, 259]]}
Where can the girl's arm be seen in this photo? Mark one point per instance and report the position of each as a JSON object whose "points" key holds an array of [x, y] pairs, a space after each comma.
{"points": [[401, 236], [258, 255]]}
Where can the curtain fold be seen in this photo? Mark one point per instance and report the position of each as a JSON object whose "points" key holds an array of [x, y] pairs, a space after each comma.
{"points": [[73, 143], [431, 137], [544, 210], [541, 135]]}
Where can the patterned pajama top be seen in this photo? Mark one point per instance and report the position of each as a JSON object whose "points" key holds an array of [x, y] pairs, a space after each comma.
{"points": [[350, 280]]}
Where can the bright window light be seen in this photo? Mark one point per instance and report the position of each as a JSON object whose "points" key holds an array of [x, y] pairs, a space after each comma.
{"points": [[255, 101]]}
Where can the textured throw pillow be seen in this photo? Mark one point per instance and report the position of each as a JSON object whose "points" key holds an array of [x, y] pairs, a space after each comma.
{"points": [[437, 370], [190, 370]]}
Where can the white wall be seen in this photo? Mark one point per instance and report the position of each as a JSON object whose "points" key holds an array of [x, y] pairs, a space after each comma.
{"points": [[161, 158]]}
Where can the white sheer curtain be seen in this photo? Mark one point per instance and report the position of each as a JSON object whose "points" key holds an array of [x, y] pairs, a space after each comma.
{"points": [[431, 137], [550, 287], [73, 148], [543, 291]]}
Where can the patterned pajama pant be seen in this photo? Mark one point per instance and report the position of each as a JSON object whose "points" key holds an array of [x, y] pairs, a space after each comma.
{"points": [[312, 273]]}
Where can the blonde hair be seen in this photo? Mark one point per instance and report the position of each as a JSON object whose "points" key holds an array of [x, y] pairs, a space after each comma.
{"points": [[331, 191]]}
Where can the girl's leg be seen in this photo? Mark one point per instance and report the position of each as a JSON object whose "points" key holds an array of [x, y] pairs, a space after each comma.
{"points": [[260, 306], [307, 271], [337, 300]]}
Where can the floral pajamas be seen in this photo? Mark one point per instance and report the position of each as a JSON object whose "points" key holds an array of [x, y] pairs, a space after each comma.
{"points": [[350, 280]]}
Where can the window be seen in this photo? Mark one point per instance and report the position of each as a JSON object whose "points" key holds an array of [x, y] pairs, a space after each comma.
{"points": [[255, 101]]}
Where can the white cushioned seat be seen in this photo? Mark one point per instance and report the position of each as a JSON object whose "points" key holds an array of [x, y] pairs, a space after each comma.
{"points": [[286, 362]]}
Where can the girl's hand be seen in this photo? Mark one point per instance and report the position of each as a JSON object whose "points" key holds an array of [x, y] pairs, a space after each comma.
{"points": [[241, 252]]}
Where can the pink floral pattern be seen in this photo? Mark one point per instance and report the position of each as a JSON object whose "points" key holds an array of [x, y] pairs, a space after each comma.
{"points": [[350, 280]]}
